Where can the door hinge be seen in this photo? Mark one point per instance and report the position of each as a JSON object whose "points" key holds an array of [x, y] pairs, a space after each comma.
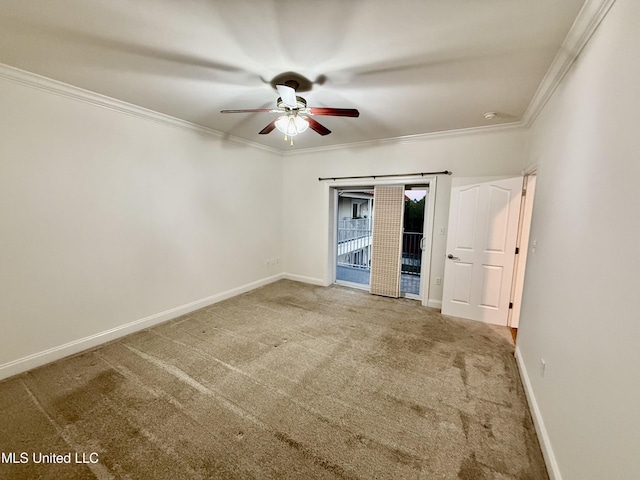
{"points": [[524, 192], [510, 305], [517, 250]]}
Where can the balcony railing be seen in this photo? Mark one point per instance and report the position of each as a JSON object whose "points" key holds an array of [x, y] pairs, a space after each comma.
{"points": [[354, 246], [351, 228], [411, 253], [354, 255], [354, 242]]}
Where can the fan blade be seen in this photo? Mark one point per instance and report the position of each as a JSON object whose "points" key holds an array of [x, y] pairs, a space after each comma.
{"points": [[335, 112], [252, 110], [314, 125], [269, 128], [288, 95]]}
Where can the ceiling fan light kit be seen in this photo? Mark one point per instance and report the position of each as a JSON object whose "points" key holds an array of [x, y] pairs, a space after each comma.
{"points": [[291, 125], [291, 106]]}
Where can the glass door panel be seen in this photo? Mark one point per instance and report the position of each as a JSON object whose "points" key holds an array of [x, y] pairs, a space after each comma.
{"points": [[415, 199]]}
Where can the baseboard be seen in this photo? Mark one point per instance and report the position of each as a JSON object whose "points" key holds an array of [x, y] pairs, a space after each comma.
{"points": [[543, 437], [303, 279], [56, 353], [434, 303]]}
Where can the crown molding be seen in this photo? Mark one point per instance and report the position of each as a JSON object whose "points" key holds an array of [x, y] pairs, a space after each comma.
{"points": [[585, 24], [56, 87], [583, 27], [419, 137]]}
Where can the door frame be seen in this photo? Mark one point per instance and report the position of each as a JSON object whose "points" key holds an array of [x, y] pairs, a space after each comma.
{"points": [[333, 212], [331, 194], [524, 229]]}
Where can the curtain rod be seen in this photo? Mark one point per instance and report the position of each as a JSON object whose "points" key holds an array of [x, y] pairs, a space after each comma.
{"points": [[421, 174]]}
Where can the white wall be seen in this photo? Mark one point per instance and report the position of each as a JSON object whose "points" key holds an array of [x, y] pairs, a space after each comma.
{"points": [[108, 219], [579, 310], [306, 237]]}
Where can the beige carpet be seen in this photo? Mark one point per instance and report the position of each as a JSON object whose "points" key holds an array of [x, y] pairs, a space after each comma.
{"points": [[287, 381]]}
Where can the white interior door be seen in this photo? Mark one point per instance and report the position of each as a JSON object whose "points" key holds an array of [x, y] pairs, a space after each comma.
{"points": [[481, 241]]}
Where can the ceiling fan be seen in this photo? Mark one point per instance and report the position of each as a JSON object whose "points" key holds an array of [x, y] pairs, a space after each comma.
{"points": [[295, 116]]}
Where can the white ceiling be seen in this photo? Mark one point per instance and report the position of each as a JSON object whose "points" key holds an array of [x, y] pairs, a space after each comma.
{"points": [[409, 66]]}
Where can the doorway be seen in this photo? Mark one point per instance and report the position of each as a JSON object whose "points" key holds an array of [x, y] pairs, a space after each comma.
{"points": [[352, 220]]}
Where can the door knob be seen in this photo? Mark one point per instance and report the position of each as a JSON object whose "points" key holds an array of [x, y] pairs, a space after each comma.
{"points": [[451, 257]]}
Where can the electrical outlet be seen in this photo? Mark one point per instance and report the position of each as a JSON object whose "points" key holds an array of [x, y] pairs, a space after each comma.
{"points": [[543, 366], [438, 281]]}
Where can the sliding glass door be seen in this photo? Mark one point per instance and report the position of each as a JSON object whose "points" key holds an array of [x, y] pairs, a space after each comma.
{"points": [[356, 242]]}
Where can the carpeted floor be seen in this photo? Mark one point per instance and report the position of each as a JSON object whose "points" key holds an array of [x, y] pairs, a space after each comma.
{"points": [[287, 381]]}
